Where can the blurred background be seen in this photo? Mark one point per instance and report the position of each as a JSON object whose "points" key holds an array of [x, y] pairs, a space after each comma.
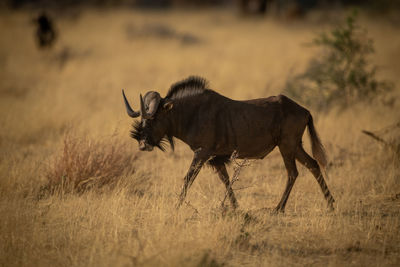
{"points": [[86, 51]]}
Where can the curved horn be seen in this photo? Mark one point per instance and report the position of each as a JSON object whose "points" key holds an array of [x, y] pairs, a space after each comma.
{"points": [[153, 100], [129, 110], [143, 109]]}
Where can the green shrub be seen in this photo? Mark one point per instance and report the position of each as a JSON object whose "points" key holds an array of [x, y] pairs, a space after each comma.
{"points": [[341, 74]]}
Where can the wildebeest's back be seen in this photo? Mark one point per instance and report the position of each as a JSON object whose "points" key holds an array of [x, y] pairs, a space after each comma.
{"points": [[252, 128], [259, 125], [292, 118]]}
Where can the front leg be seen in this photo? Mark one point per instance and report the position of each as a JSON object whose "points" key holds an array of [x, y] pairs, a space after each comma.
{"points": [[198, 161]]}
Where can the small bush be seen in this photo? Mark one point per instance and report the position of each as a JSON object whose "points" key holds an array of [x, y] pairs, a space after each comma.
{"points": [[341, 74], [86, 163]]}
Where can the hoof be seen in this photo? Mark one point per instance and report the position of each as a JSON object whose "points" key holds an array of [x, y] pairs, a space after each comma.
{"points": [[277, 211], [331, 208], [272, 211], [330, 205], [178, 205]]}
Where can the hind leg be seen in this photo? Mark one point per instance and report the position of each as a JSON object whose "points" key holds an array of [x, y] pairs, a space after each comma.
{"points": [[290, 164], [314, 168]]}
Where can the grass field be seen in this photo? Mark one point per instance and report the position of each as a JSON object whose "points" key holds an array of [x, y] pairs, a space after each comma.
{"points": [[71, 95]]}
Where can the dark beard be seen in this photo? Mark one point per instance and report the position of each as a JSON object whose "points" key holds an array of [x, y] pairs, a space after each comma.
{"points": [[138, 133]]}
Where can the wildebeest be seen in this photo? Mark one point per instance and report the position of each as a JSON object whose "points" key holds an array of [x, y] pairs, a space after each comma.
{"points": [[215, 126], [45, 32]]}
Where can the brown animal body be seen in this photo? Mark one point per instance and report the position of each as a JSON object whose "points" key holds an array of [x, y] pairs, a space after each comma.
{"points": [[215, 126]]}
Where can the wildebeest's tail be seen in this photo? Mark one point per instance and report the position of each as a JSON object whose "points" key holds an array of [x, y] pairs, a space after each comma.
{"points": [[317, 147]]}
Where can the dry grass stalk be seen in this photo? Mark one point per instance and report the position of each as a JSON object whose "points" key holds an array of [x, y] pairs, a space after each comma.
{"points": [[85, 163], [394, 145], [235, 177]]}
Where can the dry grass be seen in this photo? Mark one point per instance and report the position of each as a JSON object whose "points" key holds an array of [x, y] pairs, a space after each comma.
{"points": [[135, 222], [86, 164]]}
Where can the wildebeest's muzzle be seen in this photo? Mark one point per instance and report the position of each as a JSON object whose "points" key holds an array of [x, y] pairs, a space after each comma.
{"points": [[144, 146]]}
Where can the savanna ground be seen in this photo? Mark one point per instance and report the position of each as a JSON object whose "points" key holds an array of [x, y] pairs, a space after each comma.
{"points": [[71, 94]]}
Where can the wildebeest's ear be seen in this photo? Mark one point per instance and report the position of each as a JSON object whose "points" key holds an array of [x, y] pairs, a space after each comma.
{"points": [[168, 105]]}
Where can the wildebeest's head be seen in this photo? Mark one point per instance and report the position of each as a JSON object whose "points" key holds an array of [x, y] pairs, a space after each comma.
{"points": [[152, 130]]}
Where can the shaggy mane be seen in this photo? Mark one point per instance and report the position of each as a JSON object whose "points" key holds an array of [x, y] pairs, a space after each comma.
{"points": [[190, 86]]}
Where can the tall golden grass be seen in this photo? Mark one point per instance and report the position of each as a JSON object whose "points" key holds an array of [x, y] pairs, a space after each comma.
{"points": [[134, 222]]}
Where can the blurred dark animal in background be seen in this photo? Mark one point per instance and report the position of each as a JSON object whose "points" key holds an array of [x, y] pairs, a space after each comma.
{"points": [[45, 32], [285, 8], [215, 127]]}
